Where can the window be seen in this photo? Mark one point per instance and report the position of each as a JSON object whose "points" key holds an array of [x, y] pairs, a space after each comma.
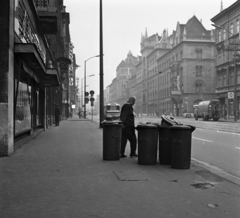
{"points": [[199, 53], [237, 26], [181, 55], [198, 70], [199, 87], [231, 28], [224, 79], [232, 78], [224, 34], [219, 80], [219, 36]]}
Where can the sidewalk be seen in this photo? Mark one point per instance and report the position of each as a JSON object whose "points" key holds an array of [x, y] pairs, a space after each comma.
{"points": [[60, 173]]}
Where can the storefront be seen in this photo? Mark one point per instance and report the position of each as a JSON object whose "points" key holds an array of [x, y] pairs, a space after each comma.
{"points": [[31, 73]]}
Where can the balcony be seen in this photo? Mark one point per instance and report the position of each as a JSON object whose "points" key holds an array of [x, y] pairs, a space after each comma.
{"points": [[47, 14]]}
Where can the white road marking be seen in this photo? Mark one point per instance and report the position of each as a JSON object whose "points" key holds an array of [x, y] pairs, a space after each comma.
{"points": [[237, 147], [201, 139], [232, 133]]}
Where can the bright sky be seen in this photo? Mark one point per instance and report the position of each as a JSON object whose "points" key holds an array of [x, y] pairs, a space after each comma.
{"points": [[123, 23]]}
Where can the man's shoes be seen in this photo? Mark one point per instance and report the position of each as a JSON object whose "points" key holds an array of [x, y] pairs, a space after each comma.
{"points": [[123, 155], [133, 155]]}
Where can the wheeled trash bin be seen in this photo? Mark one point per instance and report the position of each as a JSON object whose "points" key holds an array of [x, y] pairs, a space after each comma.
{"points": [[147, 144], [164, 150], [112, 134], [164, 139], [181, 141]]}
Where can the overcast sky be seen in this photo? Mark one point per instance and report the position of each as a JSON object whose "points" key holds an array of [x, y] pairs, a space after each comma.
{"points": [[123, 23]]}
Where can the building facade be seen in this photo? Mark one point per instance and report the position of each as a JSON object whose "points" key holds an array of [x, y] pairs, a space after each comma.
{"points": [[173, 73], [227, 58], [31, 81]]}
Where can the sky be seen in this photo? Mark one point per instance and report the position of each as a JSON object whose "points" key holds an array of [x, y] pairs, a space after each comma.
{"points": [[123, 23]]}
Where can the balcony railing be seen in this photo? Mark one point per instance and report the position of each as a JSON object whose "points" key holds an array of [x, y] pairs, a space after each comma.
{"points": [[47, 12]]}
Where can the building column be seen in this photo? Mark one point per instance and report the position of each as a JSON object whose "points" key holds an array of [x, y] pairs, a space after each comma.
{"points": [[7, 78]]}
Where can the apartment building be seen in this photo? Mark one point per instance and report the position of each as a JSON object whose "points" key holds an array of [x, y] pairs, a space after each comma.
{"points": [[227, 24]]}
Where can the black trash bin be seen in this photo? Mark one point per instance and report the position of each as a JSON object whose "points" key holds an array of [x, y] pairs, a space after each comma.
{"points": [[147, 144], [169, 121], [164, 139], [164, 145], [181, 141], [112, 134]]}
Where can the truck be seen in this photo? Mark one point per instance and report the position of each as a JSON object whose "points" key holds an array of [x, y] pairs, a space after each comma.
{"points": [[208, 110]]}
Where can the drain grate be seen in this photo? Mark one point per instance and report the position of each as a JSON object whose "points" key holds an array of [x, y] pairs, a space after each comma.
{"points": [[131, 175]]}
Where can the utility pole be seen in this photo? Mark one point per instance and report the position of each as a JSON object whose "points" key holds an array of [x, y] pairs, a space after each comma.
{"points": [[101, 69]]}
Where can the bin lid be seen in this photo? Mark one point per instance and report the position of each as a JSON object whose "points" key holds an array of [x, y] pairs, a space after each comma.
{"points": [[163, 127], [146, 126], [170, 120], [180, 127], [112, 122]]}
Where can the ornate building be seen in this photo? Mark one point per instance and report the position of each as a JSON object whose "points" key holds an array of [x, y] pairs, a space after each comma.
{"points": [[227, 58], [173, 73]]}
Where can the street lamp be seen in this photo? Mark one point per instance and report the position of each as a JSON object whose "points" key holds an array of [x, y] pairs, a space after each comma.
{"points": [[85, 82], [235, 73]]}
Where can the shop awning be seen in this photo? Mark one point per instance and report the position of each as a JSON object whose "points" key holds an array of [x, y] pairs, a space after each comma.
{"points": [[29, 53], [51, 78]]}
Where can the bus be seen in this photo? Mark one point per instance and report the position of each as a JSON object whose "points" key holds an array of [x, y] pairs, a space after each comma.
{"points": [[208, 110], [112, 111]]}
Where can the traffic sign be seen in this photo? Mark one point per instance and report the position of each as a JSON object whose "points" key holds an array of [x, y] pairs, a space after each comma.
{"points": [[92, 99], [86, 94], [230, 95]]}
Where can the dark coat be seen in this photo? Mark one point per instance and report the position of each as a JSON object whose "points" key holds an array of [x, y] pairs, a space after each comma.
{"points": [[127, 115], [57, 111]]}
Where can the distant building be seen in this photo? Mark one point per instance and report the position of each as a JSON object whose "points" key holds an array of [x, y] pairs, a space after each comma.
{"points": [[173, 73]]}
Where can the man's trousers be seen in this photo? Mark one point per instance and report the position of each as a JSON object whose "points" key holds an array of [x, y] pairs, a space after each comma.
{"points": [[128, 133]]}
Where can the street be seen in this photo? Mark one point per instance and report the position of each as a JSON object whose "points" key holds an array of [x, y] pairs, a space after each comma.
{"points": [[60, 173], [214, 144]]}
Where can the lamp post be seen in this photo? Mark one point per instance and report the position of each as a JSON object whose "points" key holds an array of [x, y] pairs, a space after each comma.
{"points": [[235, 73], [85, 82]]}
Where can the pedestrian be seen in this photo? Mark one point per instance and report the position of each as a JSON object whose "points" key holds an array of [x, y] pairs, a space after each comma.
{"points": [[57, 115], [128, 132], [225, 113]]}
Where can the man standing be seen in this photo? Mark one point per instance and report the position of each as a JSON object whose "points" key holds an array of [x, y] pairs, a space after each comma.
{"points": [[128, 131], [57, 115]]}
